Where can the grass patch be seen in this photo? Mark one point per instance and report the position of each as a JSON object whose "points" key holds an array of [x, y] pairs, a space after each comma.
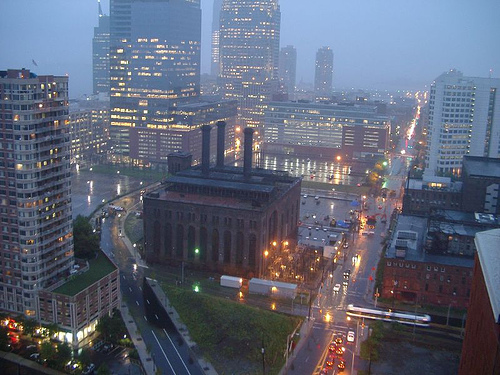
{"points": [[360, 190], [230, 334], [134, 229], [145, 174], [98, 268]]}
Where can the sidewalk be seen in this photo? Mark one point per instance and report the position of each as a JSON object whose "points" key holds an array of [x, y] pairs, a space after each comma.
{"points": [[140, 346], [206, 367], [304, 332]]}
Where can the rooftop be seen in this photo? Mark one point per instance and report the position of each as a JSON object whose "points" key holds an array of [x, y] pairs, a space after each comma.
{"points": [[489, 257], [415, 249], [99, 267], [476, 166], [434, 183]]}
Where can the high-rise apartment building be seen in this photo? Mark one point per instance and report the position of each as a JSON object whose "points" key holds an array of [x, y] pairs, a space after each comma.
{"points": [[463, 120], [248, 55], [35, 186], [100, 54], [214, 67], [287, 69], [323, 76], [154, 64]]}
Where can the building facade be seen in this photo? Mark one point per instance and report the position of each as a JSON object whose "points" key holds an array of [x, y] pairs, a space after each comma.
{"points": [[412, 275], [35, 187], [100, 54], [331, 130], [481, 184], [89, 129], [214, 67], [154, 64], [151, 145], [462, 121], [323, 74], [422, 196], [481, 345], [228, 219], [77, 305], [288, 70], [248, 56]]}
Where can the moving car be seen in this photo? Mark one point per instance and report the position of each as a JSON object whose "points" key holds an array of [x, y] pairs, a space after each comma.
{"points": [[336, 288], [350, 336]]}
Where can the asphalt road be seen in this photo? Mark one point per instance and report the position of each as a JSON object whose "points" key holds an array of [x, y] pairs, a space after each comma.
{"points": [[169, 353]]}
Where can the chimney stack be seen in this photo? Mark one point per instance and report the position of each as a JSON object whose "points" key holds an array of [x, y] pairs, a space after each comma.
{"points": [[247, 156], [205, 149], [221, 133]]}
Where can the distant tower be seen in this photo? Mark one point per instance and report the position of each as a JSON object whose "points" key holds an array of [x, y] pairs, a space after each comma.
{"points": [[100, 53], [324, 74], [214, 69], [36, 188], [463, 120], [287, 69], [249, 52]]}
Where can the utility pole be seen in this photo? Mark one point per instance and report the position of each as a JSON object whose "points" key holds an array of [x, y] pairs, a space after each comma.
{"points": [[263, 357]]}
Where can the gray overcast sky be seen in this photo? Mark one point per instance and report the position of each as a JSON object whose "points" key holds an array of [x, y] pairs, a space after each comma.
{"points": [[385, 44]]}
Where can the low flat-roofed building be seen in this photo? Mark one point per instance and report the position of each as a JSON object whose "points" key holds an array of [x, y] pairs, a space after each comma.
{"points": [[326, 130], [481, 345], [453, 232], [423, 195], [412, 274], [77, 304], [481, 184]]}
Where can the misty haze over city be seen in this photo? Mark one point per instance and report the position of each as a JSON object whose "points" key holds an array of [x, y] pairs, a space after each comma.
{"points": [[203, 187], [378, 44]]}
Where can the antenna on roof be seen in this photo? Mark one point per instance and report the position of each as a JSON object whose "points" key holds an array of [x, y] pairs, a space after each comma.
{"points": [[491, 72], [100, 9]]}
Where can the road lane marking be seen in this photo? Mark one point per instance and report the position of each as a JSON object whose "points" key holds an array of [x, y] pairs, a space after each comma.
{"points": [[176, 351], [137, 303], [157, 317], [163, 351], [146, 319], [140, 288], [129, 288], [148, 302]]}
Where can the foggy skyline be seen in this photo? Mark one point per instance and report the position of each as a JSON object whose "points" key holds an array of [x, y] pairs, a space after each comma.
{"points": [[376, 44]]}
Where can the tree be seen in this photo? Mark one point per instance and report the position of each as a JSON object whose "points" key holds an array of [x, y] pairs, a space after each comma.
{"points": [[111, 328], [4, 338], [63, 353], [48, 353], [103, 370], [85, 356], [29, 326], [86, 242]]}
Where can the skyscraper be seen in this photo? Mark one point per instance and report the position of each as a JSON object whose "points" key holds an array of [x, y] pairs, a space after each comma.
{"points": [[35, 187], [323, 76], [287, 69], [248, 52], [100, 54], [154, 64], [214, 68], [462, 121]]}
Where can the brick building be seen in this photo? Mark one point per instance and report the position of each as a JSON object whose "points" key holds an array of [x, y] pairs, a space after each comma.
{"points": [[76, 305], [421, 196], [481, 346], [411, 274], [222, 218]]}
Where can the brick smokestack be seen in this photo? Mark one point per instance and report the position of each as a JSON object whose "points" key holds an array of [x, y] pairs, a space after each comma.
{"points": [[247, 156], [221, 134], [205, 149]]}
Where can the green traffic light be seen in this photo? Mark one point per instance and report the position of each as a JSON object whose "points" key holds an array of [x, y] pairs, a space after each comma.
{"points": [[196, 251]]}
